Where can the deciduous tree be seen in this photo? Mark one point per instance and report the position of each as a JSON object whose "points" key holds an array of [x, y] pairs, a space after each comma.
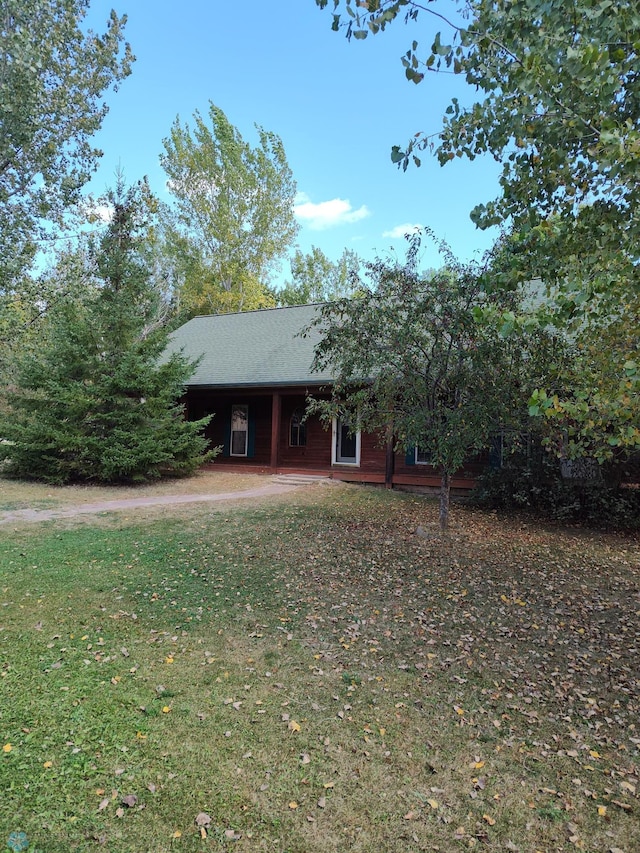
{"points": [[53, 75], [231, 220], [424, 357], [557, 103], [316, 278]]}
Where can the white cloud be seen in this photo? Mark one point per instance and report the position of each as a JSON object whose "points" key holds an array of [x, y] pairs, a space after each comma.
{"points": [[104, 212], [327, 214], [96, 211], [401, 231]]}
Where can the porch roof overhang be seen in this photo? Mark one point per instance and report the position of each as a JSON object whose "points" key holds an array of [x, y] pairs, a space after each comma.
{"points": [[302, 387]]}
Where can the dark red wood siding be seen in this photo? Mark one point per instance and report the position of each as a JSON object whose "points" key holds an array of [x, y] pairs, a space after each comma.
{"points": [[315, 455]]}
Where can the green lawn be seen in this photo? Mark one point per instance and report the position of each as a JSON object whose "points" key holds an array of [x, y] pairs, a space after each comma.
{"points": [[308, 675]]}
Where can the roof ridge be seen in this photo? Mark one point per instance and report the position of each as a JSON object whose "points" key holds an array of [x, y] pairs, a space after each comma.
{"points": [[257, 310]]}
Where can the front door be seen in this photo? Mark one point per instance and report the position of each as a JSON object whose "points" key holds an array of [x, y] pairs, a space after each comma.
{"points": [[347, 444]]}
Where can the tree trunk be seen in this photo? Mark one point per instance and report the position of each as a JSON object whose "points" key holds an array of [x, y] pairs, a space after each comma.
{"points": [[445, 488]]}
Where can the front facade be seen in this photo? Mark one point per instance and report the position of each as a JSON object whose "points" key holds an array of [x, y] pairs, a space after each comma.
{"points": [[254, 376]]}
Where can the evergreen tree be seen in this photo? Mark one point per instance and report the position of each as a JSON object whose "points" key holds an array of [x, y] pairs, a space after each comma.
{"points": [[97, 401]]}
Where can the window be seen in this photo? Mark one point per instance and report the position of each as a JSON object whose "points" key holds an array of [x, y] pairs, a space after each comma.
{"points": [[416, 455], [239, 430], [298, 429], [422, 456], [346, 444]]}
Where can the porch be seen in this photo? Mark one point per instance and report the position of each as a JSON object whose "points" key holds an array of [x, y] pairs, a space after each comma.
{"points": [[263, 431]]}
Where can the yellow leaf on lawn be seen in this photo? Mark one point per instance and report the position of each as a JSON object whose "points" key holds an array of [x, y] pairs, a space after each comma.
{"points": [[488, 819], [166, 709], [602, 810], [433, 803], [7, 747], [177, 834], [293, 804], [382, 731], [48, 764], [478, 765], [168, 659], [328, 784], [594, 753], [459, 711], [293, 726]]}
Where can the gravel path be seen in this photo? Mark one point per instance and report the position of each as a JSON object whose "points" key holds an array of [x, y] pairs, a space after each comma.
{"points": [[31, 515]]}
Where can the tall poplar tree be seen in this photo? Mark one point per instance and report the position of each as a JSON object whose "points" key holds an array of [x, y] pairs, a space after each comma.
{"points": [[53, 75], [231, 220]]}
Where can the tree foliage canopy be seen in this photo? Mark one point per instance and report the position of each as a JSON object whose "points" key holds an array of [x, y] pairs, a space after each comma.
{"points": [[95, 401], [232, 218], [560, 107], [424, 357], [557, 103], [53, 75], [316, 278]]}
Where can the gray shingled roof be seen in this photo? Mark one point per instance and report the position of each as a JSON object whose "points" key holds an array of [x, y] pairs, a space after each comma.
{"points": [[251, 348]]}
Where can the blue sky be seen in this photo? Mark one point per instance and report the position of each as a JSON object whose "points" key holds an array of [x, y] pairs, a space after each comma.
{"points": [[337, 106]]}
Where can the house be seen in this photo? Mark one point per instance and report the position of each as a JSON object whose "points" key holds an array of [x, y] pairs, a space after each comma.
{"points": [[254, 376]]}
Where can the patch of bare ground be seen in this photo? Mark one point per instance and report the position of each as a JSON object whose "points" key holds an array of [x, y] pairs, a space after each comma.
{"points": [[19, 494]]}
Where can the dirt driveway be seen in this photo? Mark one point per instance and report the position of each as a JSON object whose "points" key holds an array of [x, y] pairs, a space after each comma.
{"points": [[26, 503]]}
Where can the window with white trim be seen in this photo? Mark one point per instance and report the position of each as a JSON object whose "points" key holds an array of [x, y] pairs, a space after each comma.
{"points": [[239, 431]]}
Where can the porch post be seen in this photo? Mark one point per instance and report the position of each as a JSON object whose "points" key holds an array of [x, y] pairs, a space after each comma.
{"points": [[390, 459], [276, 408]]}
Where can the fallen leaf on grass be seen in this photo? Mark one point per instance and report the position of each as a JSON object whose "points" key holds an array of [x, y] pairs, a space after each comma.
{"points": [[129, 801], [488, 819], [602, 811], [103, 804], [293, 805], [293, 726], [203, 819], [322, 802], [433, 803], [624, 806], [232, 835]]}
